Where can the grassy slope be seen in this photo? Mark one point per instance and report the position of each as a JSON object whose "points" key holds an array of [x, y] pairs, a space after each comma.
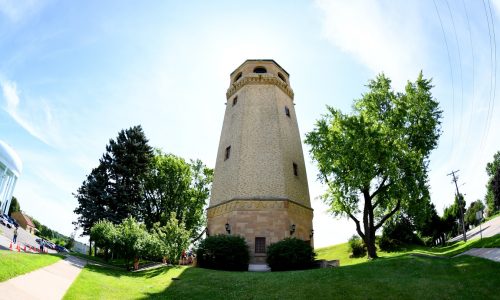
{"points": [[13, 263], [395, 275], [341, 251]]}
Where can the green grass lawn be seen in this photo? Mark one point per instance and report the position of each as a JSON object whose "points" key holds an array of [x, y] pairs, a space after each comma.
{"points": [[341, 251], [399, 277], [396, 275], [95, 282], [13, 263]]}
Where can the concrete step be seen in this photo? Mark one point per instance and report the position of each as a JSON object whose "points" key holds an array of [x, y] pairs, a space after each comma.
{"points": [[258, 268]]}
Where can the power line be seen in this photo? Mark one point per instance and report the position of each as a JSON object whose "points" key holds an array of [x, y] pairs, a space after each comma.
{"points": [[473, 70], [460, 65], [485, 133], [494, 70], [451, 73]]}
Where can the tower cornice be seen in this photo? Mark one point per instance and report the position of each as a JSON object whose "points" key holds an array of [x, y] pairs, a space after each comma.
{"points": [[259, 79]]}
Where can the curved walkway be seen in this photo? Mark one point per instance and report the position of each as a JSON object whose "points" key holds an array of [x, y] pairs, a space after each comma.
{"points": [[50, 282]]}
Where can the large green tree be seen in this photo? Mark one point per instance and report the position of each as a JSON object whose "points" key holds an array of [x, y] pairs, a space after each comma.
{"points": [[492, 198], [132, 180], [375, 160], [176, 186], [127, 160], [14, 206]]}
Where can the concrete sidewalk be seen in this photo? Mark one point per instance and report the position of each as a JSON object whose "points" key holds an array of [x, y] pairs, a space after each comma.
{"points": [[488, 253], [50, 282]]}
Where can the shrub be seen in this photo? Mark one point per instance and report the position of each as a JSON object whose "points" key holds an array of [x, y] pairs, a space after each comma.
{"points": [[290, 254], [223, 252], [357, 246], [401, 229], [387, 244]]}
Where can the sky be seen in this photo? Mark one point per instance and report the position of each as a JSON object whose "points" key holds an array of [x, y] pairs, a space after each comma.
{"points": [[74, 73]]}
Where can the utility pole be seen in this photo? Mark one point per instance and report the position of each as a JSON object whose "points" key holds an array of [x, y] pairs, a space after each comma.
{"points": [[459, 197]]}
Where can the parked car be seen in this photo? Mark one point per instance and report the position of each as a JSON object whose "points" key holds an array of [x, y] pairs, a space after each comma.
{"points": [[51, 245], [12, 221], [61, 249], [5, 221]]}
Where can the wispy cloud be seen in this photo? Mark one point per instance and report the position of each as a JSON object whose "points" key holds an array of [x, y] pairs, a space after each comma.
{"points": [[17, 10], [384, 37], [37, 119]]}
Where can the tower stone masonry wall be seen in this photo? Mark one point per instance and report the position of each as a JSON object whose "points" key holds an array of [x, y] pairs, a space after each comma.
{"points": [[255, 189]]}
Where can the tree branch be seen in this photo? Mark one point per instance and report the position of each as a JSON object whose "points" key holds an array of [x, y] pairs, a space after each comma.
{"points": [[398, 205], [380, 187], [358, 227]]}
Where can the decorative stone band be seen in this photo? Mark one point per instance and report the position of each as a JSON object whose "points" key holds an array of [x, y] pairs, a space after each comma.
{"points": [[259, 79], [268, 204]]}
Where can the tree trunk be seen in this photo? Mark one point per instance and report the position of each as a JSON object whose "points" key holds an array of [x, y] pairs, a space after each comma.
{"points": [[370, 245]]}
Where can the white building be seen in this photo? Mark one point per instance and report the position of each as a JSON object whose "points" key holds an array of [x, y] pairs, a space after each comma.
{"points": [[10, 169]]}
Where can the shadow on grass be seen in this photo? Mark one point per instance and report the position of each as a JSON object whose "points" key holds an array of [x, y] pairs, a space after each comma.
{"points": [[123, 273], [402, 277]]}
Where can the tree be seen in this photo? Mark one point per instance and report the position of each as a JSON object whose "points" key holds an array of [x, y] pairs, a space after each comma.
{"points": [[70, 243], [378, 155], [114, 189], [105, 235], [470, 214], [493, 170], [495, 191], [127, 161], [132, 239], [14, 206], [434, 227], [174, 238], [175, 186], [93, 199]]}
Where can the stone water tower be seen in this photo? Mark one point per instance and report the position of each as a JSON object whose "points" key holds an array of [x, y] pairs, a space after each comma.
{"points": [[260, 186]]}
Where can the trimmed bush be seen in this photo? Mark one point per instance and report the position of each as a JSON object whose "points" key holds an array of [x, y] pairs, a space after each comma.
{"points": [[357, 247], [223, 252], [290, 254]]}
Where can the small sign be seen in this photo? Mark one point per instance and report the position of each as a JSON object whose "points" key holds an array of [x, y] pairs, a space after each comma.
{"points": [[479, 215]]}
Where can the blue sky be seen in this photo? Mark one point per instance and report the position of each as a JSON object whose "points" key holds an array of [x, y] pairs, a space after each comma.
{"points": [[74, 73]]}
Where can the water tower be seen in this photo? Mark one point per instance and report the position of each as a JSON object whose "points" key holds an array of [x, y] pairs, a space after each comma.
{"points": [[260, 188]]}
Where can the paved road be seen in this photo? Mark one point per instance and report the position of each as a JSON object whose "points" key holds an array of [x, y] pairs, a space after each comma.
{"points": [[49, 283], [490, 228], [23, 238]]}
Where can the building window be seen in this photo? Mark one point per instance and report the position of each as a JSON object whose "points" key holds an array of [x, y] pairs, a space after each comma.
{"points": [[228, 152], [260, 245], [287, 111], [295, 169], [260, 70], [238, 77], [282, 77], [235, 100]]}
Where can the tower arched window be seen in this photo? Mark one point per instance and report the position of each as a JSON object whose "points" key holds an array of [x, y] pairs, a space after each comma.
{"points": [[235, 100], [260, 70], [287, 111]]}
